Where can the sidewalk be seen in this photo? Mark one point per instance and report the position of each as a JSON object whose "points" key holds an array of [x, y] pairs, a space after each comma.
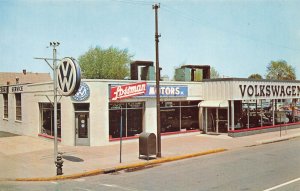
{"points": [[30, 157]]}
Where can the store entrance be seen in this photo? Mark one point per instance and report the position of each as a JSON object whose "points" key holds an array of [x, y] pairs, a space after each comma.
{"points": [[217, 120], [82, 129]]}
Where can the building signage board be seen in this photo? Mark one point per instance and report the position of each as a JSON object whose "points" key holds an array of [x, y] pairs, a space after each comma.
{"points": [[16, 89], [127, 91], [83, 93], [68, 77], [279, 91], [3, 89], [167, 91]]}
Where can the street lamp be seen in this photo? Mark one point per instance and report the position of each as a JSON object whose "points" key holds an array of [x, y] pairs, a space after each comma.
{"points": [[57, 157]]}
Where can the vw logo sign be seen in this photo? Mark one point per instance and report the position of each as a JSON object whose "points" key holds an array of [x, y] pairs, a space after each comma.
{"points": [[83, 93], [68, 77]]}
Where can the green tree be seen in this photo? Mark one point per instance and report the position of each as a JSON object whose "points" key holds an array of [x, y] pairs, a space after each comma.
{"points": [[255, 77], [214, 73], [111, 63], [280, 70]]}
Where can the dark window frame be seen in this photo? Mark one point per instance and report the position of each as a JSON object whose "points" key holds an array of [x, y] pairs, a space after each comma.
{"points": [[18, 101], [5, 106]]}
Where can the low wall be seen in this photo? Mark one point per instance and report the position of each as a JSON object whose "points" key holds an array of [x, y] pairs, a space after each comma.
{"points": [[259, 130]]}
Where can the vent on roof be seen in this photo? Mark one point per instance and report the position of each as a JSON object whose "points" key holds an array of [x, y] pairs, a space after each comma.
{"points": [[24, 71]]}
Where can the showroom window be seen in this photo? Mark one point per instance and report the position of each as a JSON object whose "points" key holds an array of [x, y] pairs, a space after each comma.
{"points": [[47, 118], [179, 116], [131, 114]]}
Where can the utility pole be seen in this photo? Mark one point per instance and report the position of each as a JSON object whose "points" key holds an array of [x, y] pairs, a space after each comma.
{"points": [[158, 154], [54, 45]]}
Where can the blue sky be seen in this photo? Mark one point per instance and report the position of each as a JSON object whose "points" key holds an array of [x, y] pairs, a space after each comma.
{"points": [[237, 37]]}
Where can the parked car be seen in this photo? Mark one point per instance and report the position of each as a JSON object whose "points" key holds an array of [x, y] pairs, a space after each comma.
{"points": [[254, 120], [189, 123]]}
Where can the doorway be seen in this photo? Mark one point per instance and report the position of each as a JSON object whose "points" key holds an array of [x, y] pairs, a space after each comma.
{"points": [[82, 129]]}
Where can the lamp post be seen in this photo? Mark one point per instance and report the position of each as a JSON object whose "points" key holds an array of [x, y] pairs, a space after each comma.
{"points": [[57, 158]]}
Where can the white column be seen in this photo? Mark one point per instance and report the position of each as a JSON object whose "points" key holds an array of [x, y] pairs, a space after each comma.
{"points": [[217, 120], [228, 116], [273, 109], [206, 120], [261, 113], [232, 115], [248, 113]]}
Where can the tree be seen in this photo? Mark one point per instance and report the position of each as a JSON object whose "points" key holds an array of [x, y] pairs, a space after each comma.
{"points": [[255, 77], [280, 70], [214, 73], [111, 63]]}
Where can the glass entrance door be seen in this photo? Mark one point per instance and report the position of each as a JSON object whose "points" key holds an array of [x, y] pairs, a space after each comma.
{"points": [[82, 129]]}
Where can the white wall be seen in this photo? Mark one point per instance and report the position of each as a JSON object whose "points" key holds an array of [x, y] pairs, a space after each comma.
{"points": [[99, 110]]}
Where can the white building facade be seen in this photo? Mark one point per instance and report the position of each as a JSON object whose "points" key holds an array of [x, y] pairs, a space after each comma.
{"points": [[94, 116]]}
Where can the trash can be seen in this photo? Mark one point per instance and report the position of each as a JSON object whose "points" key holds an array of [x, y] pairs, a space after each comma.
{"points": [[147, 145]]}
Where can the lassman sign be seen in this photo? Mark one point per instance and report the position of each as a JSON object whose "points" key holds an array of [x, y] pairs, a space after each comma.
{"points": [[127, 91], [68, 77], [269, 90]]}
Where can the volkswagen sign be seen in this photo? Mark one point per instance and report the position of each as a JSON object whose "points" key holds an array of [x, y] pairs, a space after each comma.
{"points": [[68, 77]]}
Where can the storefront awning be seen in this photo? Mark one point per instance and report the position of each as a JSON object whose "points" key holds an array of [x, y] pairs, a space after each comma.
{"points": [[215, 103]]}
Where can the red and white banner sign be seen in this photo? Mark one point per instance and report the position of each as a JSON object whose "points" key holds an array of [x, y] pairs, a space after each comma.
{"points": [[127, 91]]}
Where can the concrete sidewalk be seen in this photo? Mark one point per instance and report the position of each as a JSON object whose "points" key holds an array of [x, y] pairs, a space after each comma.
{"points": [[30, 157]]}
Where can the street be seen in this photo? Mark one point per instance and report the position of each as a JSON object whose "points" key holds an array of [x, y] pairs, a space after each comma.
{"points": [[266, 167]]}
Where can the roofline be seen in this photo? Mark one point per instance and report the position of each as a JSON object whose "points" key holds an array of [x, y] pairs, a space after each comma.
{"points": [[248, 80]]}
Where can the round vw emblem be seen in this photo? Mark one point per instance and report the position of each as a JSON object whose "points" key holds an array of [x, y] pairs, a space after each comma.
{"points": [[68, 77], [83, 92]]}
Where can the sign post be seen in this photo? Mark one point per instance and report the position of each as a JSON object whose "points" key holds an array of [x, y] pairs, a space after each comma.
{"points": [[66, 80], [122, 92]]}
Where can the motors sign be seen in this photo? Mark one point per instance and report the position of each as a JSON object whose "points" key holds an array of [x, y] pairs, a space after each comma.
{"points": [[167, 91], [127, 91], [68, 77]]}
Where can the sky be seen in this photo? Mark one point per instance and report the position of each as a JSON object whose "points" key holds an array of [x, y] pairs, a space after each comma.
{"points": [[236, 37]]}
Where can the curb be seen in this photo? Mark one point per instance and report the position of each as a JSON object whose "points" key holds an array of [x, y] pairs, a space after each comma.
{"points": [[278, 139], [121, 167]]}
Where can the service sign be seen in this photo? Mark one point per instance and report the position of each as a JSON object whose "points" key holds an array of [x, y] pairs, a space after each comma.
{"points": [[167, 91], [3, 89], [127, 91], [83, 93], [17, 89]]}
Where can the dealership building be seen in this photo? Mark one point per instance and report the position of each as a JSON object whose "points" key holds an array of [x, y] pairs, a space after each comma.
{"points": [[95, 114]]}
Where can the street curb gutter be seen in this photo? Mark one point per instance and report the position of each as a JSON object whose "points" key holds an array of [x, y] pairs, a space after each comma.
{"points": [[122, 167], [279, 139]]}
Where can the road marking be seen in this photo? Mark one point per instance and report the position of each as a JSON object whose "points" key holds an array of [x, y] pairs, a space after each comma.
{"points": [[80, 180], [284, 184], [119, 187]]}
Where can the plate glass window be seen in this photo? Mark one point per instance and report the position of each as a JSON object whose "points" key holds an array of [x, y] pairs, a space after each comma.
{"points": [[47, 119], [18, 98], [5, 100], [132, 119]]}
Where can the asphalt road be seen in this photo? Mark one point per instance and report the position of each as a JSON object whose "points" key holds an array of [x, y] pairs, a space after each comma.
{"points": [[267, 167]]}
